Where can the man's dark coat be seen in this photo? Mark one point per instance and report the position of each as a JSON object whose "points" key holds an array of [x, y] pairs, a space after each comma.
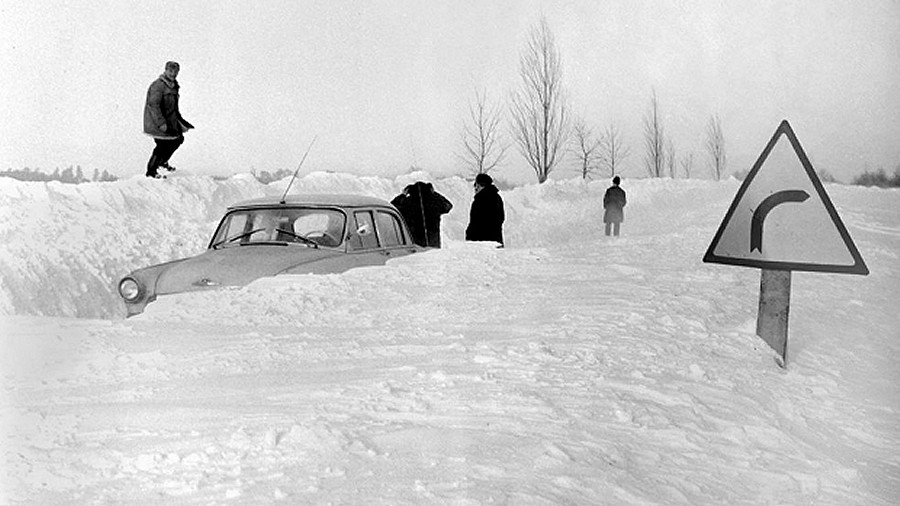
{"points": [[486, 216], [161, 108], [422, 208], [613, 202]]}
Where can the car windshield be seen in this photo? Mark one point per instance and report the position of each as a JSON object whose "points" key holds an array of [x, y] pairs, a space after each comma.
{"points": [[309, 226]]}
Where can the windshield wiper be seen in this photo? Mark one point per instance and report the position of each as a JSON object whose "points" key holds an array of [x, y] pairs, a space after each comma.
{"points": [[305, 239], [236, 238]]}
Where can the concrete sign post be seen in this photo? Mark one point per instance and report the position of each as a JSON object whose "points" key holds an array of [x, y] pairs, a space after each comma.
{"points": [[781, 220], [774, 309]]}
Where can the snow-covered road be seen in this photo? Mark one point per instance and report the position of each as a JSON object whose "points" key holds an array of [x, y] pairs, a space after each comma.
{"points": [[569, 368]]}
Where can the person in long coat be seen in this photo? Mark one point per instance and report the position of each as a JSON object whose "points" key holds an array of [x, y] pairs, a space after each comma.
{"points": [[613, 204], [422, 207], [486, 215], [162, 119]]}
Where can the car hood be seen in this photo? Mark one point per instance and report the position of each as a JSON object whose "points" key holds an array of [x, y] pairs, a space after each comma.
{"points": [[235, 266]]}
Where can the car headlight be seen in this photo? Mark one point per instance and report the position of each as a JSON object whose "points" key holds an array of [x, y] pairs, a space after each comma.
{"points": [[130, 289]]}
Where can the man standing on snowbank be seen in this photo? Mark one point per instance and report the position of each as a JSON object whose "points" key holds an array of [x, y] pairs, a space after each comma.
{"points": [[486, 214], [163, 121], [613, 202]]}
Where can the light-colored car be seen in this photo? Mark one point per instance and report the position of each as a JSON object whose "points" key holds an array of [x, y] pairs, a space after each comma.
{"points": [[299, 234]]}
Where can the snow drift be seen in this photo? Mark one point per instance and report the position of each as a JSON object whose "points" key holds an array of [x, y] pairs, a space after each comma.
{"points": [[568, 368], [66, 246]]}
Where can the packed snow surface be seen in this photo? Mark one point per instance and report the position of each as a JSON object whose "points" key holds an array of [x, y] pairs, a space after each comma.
{"points": [[567, 368]]}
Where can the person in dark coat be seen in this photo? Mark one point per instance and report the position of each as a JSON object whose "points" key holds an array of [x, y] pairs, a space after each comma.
{"points": [[613, 202], [162, 119], [486, 214], [422, 208]]}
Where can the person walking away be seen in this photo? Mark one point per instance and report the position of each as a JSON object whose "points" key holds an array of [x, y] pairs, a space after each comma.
{"points": [[163, 121], [613, 202], [486, 214], [422, 207]]}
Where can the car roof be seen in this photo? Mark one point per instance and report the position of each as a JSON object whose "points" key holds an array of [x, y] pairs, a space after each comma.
{"points": [[314, 200]]}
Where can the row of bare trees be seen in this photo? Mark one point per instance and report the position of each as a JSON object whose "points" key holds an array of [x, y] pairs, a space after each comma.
{"points": [[69, 175], [660, 158], [539, 113], [597, 154], [544, 129]]}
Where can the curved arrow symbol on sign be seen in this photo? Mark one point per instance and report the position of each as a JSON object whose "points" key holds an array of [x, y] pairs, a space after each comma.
{"points": [[769, 203]]}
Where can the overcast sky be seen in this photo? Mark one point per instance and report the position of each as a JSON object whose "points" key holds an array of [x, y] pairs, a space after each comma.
{"points": [[385, 84]]}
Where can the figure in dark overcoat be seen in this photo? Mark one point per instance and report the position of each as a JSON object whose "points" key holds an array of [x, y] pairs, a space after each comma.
{"points": [[422, 207], [613, 204], [486, 214]]}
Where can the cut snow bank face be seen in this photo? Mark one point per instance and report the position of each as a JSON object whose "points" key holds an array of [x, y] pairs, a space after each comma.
{"points": [[66, 246]]}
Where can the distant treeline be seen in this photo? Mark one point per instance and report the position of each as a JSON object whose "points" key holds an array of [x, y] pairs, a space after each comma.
{"points": [[75, 175], [879, 178], [824, 176], [69, 175]]}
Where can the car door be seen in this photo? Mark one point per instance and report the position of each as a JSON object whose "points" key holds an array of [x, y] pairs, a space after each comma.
{"points": [[363, 245], [376, 236], [392, 235]]}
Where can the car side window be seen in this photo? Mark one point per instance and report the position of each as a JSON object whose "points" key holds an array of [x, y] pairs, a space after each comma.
{"points": [[363, 236], [389, 229], [325, 227]]}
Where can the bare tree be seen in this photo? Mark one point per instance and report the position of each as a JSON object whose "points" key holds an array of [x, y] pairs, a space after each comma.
{"points": [[614, 152], [687, 165], [670, 158], [715, 146], [540, 119], [586, 148], [654, 140], [483, 143]]}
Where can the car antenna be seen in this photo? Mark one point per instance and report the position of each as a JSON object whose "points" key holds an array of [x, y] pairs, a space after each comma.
{"points": [[283, 197]]}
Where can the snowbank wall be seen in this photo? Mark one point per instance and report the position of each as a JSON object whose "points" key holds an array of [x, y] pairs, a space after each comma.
{"points": [[64, 247]]}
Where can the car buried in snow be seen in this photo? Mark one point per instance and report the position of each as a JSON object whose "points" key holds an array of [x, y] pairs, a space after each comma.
{"points": [[297, 234]]}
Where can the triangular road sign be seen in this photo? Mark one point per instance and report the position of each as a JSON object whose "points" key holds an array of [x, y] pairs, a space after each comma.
{"points": [[782, 219]]}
